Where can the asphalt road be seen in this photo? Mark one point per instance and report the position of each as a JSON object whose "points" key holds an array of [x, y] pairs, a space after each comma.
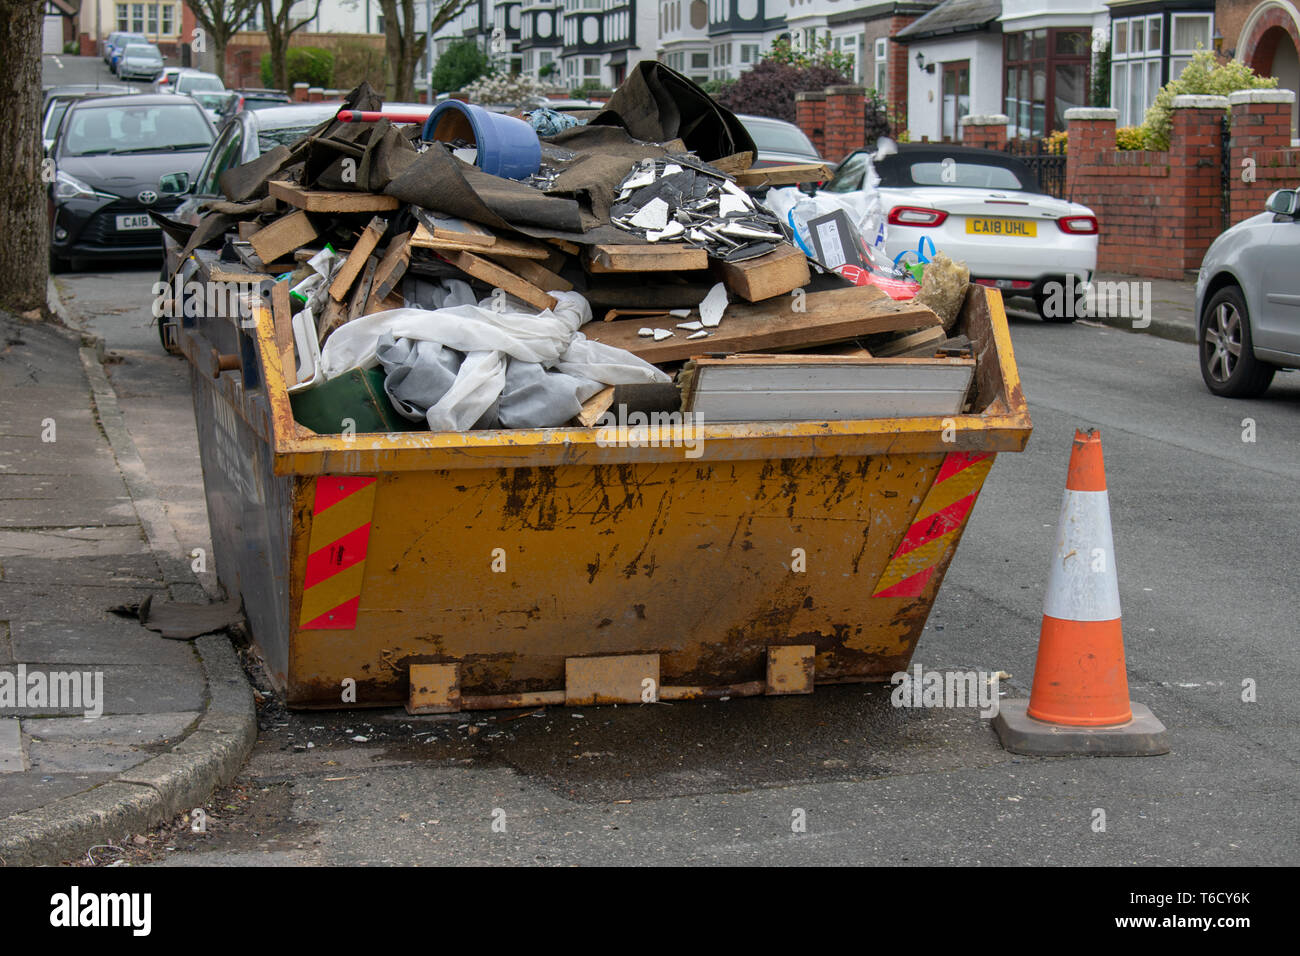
{"points": [[1204, 534], [61, 70]]}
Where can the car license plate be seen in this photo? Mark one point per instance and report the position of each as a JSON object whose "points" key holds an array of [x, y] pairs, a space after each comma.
{"points": [[1014, 228], [135, 221]]}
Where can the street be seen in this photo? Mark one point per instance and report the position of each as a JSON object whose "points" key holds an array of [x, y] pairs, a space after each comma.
{"points": [[1202, 492]]}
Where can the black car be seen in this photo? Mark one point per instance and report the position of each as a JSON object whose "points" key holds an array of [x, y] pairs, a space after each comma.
{"points": [[109, 155]]}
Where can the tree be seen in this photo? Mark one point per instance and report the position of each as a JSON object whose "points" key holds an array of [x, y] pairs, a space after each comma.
{"points": [[280, 29], [405, 47], [769, 88], [462, 63], [220, 20], [24, 253]]}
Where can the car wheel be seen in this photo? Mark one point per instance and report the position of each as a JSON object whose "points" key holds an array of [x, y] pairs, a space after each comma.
{"points": [[1041, 299], [1228, 362]]}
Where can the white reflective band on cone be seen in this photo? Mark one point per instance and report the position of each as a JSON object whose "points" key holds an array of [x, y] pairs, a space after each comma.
{"points": [[1083, 585]]}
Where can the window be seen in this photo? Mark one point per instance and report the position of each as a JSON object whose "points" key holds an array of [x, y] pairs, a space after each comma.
{"points": [[168, 20], [749, 53], [849, 46], [1189, 31], [882, 66], [137, 17], [123, 18], [1047, 73]]}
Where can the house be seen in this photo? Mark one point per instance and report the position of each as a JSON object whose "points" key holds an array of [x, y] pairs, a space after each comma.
{"points": [[955, 67], [1265, 35]]}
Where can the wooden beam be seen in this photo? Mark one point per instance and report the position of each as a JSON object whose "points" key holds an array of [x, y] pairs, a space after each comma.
{"points": [[535, 272], [315, 200], [282, 237], [831, 316], [650, 257], [500, 278], [501, 246], [332, 316], [356, 260], [361, 294], [282, 326], [596, 406], [391, 268], [790, 175], [782, 270]]}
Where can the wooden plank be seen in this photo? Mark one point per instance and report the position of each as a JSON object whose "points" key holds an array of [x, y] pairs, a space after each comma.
{"points": [[332, 316], [782, 270], [647, 258], [391, 268], [246, 227], [356, 260], [534, 272], [914, 340], [596, 406], [452, 229], [790, 175], [564, 245], [361, 294], [735, 164], [283, 236], [314, 200], [831, 316], [282, 326], [501, 278], [503, 245]]}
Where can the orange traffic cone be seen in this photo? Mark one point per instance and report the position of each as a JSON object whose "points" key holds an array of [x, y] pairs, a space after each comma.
{"points": [[1079, 702]]}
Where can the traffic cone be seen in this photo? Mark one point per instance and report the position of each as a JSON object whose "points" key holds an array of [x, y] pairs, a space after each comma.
{"points": [[1079, 702]]}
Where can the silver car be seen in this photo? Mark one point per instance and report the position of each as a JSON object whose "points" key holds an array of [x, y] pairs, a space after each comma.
{"points": [[1248, 300]]}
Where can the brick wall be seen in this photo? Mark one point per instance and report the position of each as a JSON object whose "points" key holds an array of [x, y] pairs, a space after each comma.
{"points": [[1262, 158], [810, 116], [1159, 211], [846, 121], [985, 132]]}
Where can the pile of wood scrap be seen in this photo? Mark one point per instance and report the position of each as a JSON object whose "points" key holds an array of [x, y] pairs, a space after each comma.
{"points": [[689, 266]]}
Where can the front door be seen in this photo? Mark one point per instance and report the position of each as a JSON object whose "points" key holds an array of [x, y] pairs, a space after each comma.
{"points": [[956, 97]]}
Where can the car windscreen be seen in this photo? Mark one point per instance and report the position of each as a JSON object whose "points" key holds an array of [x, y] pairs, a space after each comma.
{"points": [[285, 136], [142, 51], [851, 175], [189, 84], [57, 109], [779, 138], [263, 102], [104, 130], [211, 99], [963, 174]]}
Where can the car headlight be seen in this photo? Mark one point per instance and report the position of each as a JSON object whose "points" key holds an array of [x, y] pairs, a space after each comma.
{"points": [[67, 186]]}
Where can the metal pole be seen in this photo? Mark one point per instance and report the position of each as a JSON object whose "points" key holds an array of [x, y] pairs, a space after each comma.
{"points": [[428, 50]]}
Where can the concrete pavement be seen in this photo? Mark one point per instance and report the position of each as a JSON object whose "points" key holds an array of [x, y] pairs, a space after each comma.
{"points": [[83, 530]]}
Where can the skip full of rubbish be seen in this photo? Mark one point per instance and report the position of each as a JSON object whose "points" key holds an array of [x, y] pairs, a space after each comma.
{"points": [[486, 271]]}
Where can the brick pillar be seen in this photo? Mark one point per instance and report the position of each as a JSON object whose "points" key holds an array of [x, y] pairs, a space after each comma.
{"points": [[985, 132], [300, 92], [1262, 160], [810, 116], [1092, 134], [846, 121], [315, 94], [900, 61], [1195, 181]]}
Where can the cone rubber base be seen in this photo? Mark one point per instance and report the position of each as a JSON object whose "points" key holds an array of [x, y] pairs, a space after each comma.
{"points": [[1143, 736]]}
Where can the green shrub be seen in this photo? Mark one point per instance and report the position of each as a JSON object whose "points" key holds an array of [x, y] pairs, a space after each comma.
{"points": [[1130, 137], [1204, 76], [460, 64], [304, 64]]}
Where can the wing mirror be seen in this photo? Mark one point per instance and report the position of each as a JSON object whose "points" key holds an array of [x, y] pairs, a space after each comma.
{"points": [[174, 183], [1284, 202]]}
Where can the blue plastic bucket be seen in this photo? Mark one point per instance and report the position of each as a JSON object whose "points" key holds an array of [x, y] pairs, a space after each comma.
{"points": [[506, 146]]}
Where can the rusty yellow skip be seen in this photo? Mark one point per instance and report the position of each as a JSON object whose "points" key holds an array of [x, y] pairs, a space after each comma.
{"points": [[546, 566]]}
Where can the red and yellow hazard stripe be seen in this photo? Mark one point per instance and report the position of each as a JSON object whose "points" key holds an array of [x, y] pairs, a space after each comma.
{"points": [[336, 559], [940, 517]]}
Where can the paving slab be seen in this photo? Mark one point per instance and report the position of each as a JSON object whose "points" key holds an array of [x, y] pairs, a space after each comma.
{"points": [[73, 542], [11, 746], [83, 757], [114, 641], [134, 730], [127, 688]]}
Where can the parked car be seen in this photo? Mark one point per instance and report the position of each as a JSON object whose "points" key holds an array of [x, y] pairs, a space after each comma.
{"points": [[195, 81], [141, 61], [109, 156], [113, 40], [984, 208], [166, 81], [1248, 300], [58, 98], [779, 142], [214, 103], [119, 45], [252, 99]]}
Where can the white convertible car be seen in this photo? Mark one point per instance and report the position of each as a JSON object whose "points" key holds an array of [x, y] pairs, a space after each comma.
{"points": [[981, 207]]}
